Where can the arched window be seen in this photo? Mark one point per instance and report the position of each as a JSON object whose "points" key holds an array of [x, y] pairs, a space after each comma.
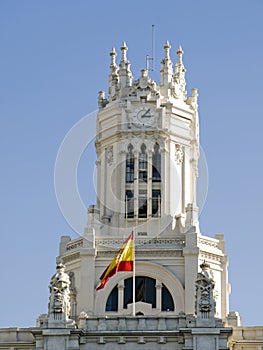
{"points": [[156, 164], [130, 165], [145, 291], [143, 164]]}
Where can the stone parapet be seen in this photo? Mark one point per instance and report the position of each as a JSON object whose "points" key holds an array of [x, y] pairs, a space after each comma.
{"points": [[16, 338], [250, 338], [129, 323]]}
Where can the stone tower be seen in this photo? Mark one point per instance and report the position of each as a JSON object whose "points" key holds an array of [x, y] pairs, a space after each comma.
{"points": [[147, 144]]}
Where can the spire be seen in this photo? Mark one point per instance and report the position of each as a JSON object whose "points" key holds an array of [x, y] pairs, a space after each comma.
{"points": [[179, 74], [113, 77], [180, 54], [179, 67], [166, 65], [124, 49], [167, 48], [113, 55], [124, 68]]}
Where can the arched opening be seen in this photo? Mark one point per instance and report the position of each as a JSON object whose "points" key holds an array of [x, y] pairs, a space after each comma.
{"points": [[145, 292], [129, 177], [156, 182], [130, 165], [156, 164], [143, 164]]}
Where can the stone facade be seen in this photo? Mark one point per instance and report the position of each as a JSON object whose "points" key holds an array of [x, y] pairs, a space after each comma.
{"points": [[147, 144], [245, 338]]}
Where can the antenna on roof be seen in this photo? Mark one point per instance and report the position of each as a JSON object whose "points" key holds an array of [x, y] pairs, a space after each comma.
{"points": [[151, 59]]}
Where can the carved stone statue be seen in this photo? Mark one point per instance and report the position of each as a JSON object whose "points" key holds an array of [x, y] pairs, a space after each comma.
{"points": [[59, 301], [205, 303]]}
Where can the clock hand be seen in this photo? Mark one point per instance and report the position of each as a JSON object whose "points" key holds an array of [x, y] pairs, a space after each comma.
{"points": [[145, 114]]}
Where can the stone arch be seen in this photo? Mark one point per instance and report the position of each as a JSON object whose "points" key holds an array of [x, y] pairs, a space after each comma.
{"points": [[149, 269]]}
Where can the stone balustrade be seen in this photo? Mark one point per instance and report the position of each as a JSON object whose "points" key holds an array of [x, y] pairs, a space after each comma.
{"points": [[138, 323]]}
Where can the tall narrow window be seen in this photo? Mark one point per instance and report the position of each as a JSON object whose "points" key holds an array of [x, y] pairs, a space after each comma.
{"points": [[130, 165], [167, 300], [143, 164], [156, 166], [129, 202], [156, 203], [112, 302], [142, 204]]}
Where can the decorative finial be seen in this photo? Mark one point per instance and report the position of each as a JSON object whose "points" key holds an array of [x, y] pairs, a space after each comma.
{"points": [[124, 48], [180, 53], [144, 73], [167, 48], [113, 55]]}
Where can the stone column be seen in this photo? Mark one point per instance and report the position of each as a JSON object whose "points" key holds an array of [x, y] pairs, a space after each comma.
{"points": [[87, 280], [158, 295], [122, 182], [98, 164], [224, 278], [165, 182], [120, 294], [136, 183], [149, 184], [190, 252]]}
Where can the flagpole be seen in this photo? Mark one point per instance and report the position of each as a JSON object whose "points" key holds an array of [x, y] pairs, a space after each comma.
{"points": [[133, 276]]}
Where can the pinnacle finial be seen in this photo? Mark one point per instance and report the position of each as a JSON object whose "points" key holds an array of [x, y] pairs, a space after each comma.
{"points": [[180, 53], [167, 48], [113, 55], [180, 49], [167, 44], [113, 52], [124, 48]]}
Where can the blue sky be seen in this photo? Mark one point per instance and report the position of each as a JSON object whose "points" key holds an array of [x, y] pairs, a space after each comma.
{"points": [[55, 59]]}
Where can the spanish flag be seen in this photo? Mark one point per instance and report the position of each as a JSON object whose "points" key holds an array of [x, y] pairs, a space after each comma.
{"points": [[122, 261]]}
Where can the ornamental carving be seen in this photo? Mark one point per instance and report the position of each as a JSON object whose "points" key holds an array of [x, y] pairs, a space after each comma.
{"points": [[109, 155], [205, 303], [179, 154]]}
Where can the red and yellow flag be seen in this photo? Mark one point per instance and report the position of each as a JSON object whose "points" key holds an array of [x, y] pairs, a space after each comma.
{"points": [[122, 261]]}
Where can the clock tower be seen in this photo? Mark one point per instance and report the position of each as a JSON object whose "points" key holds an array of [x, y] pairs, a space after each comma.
{"points": [[147, 144], [148, 148]]}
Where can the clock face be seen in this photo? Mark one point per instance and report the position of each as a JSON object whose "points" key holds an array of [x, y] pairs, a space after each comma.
{"points": [[143, 116]]}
